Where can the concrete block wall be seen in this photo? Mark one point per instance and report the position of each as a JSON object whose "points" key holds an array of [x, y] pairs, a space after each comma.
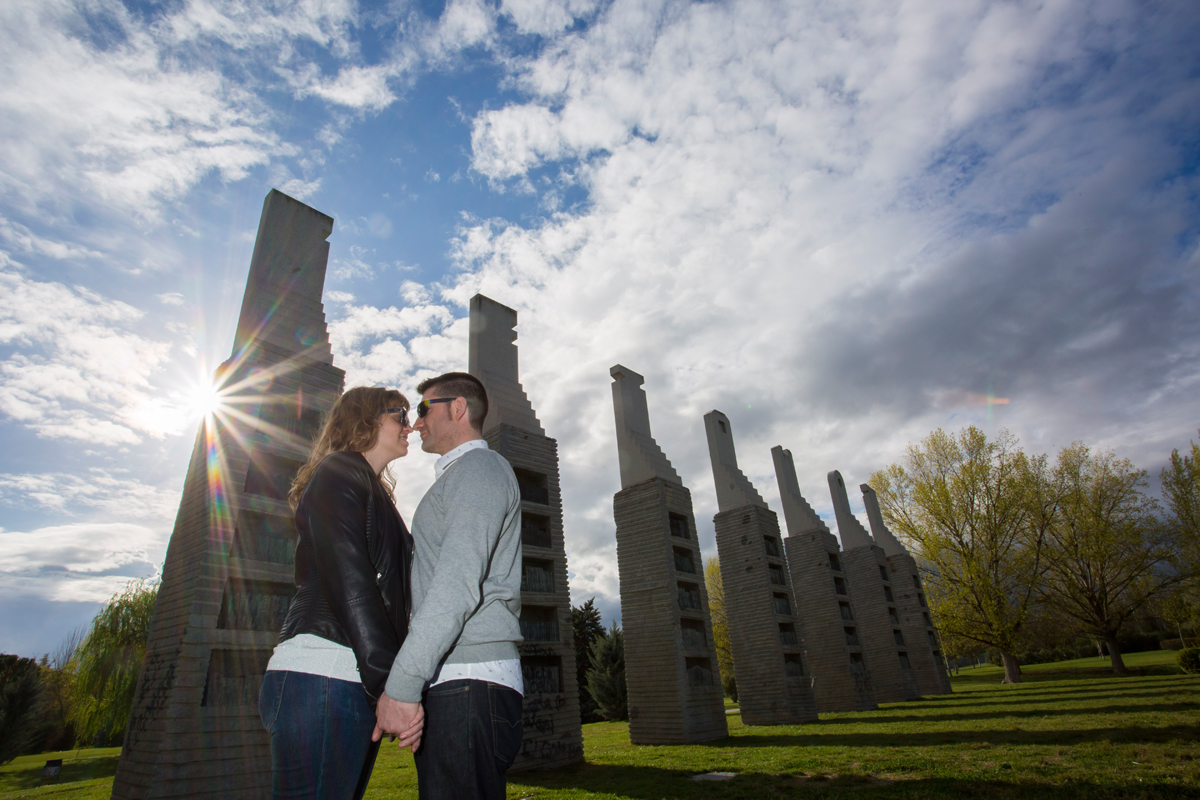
{"points": [[841, 673], [194, 730], [925, 652], [774, 681], [841, 677], [774, 677], [671, 672], [553, 730]]}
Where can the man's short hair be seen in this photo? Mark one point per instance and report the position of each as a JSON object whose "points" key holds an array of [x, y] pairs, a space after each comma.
{"points": [[464, 385]]}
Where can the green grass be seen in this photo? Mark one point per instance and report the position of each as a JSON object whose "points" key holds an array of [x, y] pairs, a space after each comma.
{"points": [[1070, 730], [86, 775]]}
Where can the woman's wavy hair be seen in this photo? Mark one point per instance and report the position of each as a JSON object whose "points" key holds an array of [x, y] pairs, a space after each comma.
{"points": [[352, 425]]}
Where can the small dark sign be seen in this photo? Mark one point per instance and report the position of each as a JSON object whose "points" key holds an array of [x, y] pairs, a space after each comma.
{"points": [[52, 769]]}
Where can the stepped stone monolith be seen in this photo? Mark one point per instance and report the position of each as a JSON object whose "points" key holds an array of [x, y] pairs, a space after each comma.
{"points": [[194, 731], [774, 684], [884, 645], [924, 651], [553, 730], [671, 673], [825, 604]]}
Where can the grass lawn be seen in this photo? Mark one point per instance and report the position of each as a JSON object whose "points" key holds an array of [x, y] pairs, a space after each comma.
{"points": [[1070, 730]]}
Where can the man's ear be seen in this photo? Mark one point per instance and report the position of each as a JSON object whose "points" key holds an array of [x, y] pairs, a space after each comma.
{"points": [[460, 407]]}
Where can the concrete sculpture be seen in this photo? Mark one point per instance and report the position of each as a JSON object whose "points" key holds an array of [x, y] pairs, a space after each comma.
{"points": [[228, 575], [671, 673], [884, 644], [924, 651], [774, 683], [825, 603], [553, 733]]}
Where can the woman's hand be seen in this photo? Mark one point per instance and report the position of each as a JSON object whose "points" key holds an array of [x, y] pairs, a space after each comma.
{"points": [[405, 720]]}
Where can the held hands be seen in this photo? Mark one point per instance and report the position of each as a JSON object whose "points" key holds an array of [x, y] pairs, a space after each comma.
{"points": [[396, 719]]}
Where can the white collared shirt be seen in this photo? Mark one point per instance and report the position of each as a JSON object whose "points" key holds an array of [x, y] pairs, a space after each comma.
{"points": [[445, 461], [506, 672]]}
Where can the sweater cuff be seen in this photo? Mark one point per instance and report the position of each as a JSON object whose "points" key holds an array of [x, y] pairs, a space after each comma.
{"points": [[404, 688]]}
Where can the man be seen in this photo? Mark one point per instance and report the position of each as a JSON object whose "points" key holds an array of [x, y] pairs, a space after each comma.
{"points": [[461, 651]]}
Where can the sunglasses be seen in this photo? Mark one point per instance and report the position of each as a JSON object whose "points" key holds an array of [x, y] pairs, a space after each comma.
{"points": [[403, 412], [424, 405]]}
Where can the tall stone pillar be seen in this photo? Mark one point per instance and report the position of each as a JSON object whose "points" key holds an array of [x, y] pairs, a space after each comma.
{"points": [[774, 684], [841, 678], [924, 652], [228, 576], [553, 731], [671, 673], [884, 644]]}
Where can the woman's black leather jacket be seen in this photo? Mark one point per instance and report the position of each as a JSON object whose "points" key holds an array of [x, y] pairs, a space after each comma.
{"points": [[352, 567]]}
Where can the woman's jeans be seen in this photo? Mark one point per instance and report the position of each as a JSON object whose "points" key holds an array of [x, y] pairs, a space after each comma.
{"points": [[320, 728]]}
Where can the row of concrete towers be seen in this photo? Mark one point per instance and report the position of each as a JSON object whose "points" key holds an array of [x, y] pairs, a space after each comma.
{"points": [[228, 577], [813, 626]]}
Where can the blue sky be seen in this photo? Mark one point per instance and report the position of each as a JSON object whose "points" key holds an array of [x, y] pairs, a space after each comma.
{"points": [[843, 225]]}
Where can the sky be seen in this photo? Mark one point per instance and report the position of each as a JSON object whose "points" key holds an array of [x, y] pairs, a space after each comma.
{"points": [[842, 224]]}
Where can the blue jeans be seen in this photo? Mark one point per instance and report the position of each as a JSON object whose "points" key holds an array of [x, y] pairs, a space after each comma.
{"points": [[472, 734], [320, 728]]}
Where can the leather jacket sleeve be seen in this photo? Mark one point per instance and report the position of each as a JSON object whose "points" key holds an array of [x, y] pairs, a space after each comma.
{"points": [[336, 509]]}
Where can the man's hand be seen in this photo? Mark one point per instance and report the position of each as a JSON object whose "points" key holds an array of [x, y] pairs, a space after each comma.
{"points": [[406, 720]]}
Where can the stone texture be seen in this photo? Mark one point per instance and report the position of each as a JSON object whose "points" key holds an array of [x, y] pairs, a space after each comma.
{"points": [[841, 675], [671, 673], [228, 574], [924, 652], [774, 682], [553, 731], [866, 569]]}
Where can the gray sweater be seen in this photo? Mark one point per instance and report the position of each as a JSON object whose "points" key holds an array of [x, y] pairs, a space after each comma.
{"points": [[466, 584]]}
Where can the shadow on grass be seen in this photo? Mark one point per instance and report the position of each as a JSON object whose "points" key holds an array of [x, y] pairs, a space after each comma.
{"points": [[654, 783], [26, 772], [1017, 714], [1126, 735]]}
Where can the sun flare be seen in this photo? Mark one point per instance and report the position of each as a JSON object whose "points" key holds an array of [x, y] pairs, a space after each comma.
{"points": [[206, 399]]}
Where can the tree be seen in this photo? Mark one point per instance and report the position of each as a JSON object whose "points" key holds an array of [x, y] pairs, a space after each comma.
{"points": [[606, 678], [975, 512], [107, 664], [720, 625], [1181, 492], [1107, 552], [21, 724], [585, 622], [58, 687]]}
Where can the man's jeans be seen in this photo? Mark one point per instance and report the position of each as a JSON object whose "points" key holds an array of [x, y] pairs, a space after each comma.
{"points": [[320, 728], [472, 734]]}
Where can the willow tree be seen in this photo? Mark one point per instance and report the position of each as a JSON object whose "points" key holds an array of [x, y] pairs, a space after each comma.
{"points": [[1108, 552], [720, 625], [975, 513], [107, 664]]}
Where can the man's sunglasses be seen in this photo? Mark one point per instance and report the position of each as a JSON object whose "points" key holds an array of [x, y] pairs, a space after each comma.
{"points": [[403, 412], [423, 406]]}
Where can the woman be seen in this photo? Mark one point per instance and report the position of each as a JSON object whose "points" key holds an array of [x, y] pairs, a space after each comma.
{"points": [[350, 613]]}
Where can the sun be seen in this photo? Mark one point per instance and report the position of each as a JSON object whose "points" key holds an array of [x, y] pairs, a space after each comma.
{"points": [[205, 400]]}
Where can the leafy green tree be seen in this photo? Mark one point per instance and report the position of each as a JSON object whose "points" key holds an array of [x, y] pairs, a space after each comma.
{"points": [[1107, 551], [975, 513], [1181, 492], [720, 625], [107, 664], [21, 702], [588, 629], [606, 677]]}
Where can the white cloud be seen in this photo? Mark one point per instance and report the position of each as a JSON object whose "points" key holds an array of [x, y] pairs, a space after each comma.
{"points": [[78, 372], [171, 299], [821, 219], [547, 16], [94, 491], [77, 562]]}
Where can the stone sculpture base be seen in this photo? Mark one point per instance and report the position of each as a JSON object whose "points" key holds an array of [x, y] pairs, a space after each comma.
{"points": [[892, 679], [929, 667], [841, 675], [671, 673], [774, 683]]}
